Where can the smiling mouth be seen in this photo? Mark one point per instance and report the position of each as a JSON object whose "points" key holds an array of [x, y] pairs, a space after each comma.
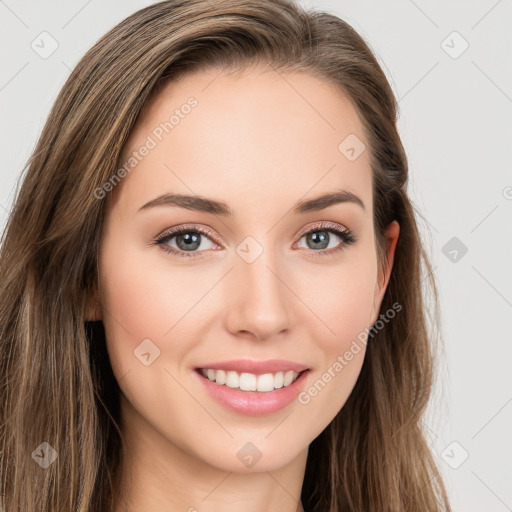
{"points": [[245, 381]]}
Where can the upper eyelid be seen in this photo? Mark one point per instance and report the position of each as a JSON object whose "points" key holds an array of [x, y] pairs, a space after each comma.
{"points": [[326, 224], [171, 232]]}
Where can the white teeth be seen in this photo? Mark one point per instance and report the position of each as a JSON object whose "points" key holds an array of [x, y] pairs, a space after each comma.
{"points": [[220, 377], [288, 378], [232, 380], [266, 382], [249, 381]]}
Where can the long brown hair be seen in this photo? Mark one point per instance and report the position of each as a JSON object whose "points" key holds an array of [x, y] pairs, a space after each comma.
{"points": [[56, 383]]}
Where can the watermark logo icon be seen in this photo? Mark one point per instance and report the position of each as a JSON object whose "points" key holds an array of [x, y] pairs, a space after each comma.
{"points": [[455, 455], [44, 45], [146, 352], [249, 455], [249, 249], [44, 455], [454, 249], [454, 45], [351, 147]]}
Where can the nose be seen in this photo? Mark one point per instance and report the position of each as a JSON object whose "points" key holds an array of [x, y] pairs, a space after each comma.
{"points": [[258, 300]]}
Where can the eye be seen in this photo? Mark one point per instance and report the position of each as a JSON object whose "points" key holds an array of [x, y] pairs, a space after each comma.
{"points": [[320, 238], [183, 240], [187, 240]]}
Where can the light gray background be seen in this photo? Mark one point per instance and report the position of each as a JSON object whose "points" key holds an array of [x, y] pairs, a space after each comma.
{"points": [[456, 126]]}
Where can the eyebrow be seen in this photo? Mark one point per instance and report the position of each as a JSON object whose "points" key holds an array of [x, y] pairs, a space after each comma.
{"points": [[204, 204]]}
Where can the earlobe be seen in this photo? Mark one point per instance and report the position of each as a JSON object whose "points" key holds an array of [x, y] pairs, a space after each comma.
{"points": [[384, 272]]}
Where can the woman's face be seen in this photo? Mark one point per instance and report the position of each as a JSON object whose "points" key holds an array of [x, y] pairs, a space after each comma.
{"points": [[244, 282]]}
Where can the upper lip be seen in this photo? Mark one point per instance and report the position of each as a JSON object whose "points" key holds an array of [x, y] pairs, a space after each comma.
{"points": [[256, 367]]}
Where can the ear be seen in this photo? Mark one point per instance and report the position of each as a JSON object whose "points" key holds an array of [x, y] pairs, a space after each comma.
{"points": [[384, 271], [93, 311]]}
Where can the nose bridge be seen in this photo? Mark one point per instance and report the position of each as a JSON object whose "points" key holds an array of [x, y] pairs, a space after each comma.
{"points": [[260, 298]]}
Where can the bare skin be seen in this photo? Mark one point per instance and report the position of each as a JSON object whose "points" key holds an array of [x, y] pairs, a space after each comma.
{"points": [[259, 141]]}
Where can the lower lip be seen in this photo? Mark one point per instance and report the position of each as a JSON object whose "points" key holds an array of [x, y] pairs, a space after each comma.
{"points": [[254, 403]]}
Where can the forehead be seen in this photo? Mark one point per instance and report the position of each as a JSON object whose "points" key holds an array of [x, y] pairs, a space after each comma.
{"points": [[254, 134]]}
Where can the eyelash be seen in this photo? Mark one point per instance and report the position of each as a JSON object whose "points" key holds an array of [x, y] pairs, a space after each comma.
{"points": [[346, 236]]}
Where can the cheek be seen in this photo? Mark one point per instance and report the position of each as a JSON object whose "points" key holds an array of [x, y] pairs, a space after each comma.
{"points": [[341, 299], [143, 294], [141, 301]]}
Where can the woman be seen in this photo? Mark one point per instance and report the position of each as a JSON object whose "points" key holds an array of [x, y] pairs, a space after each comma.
{"points": [[211, 277]]}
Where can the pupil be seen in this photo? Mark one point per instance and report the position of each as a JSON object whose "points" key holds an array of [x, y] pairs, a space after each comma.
{"points": [[189, 239], [319, 237]]}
